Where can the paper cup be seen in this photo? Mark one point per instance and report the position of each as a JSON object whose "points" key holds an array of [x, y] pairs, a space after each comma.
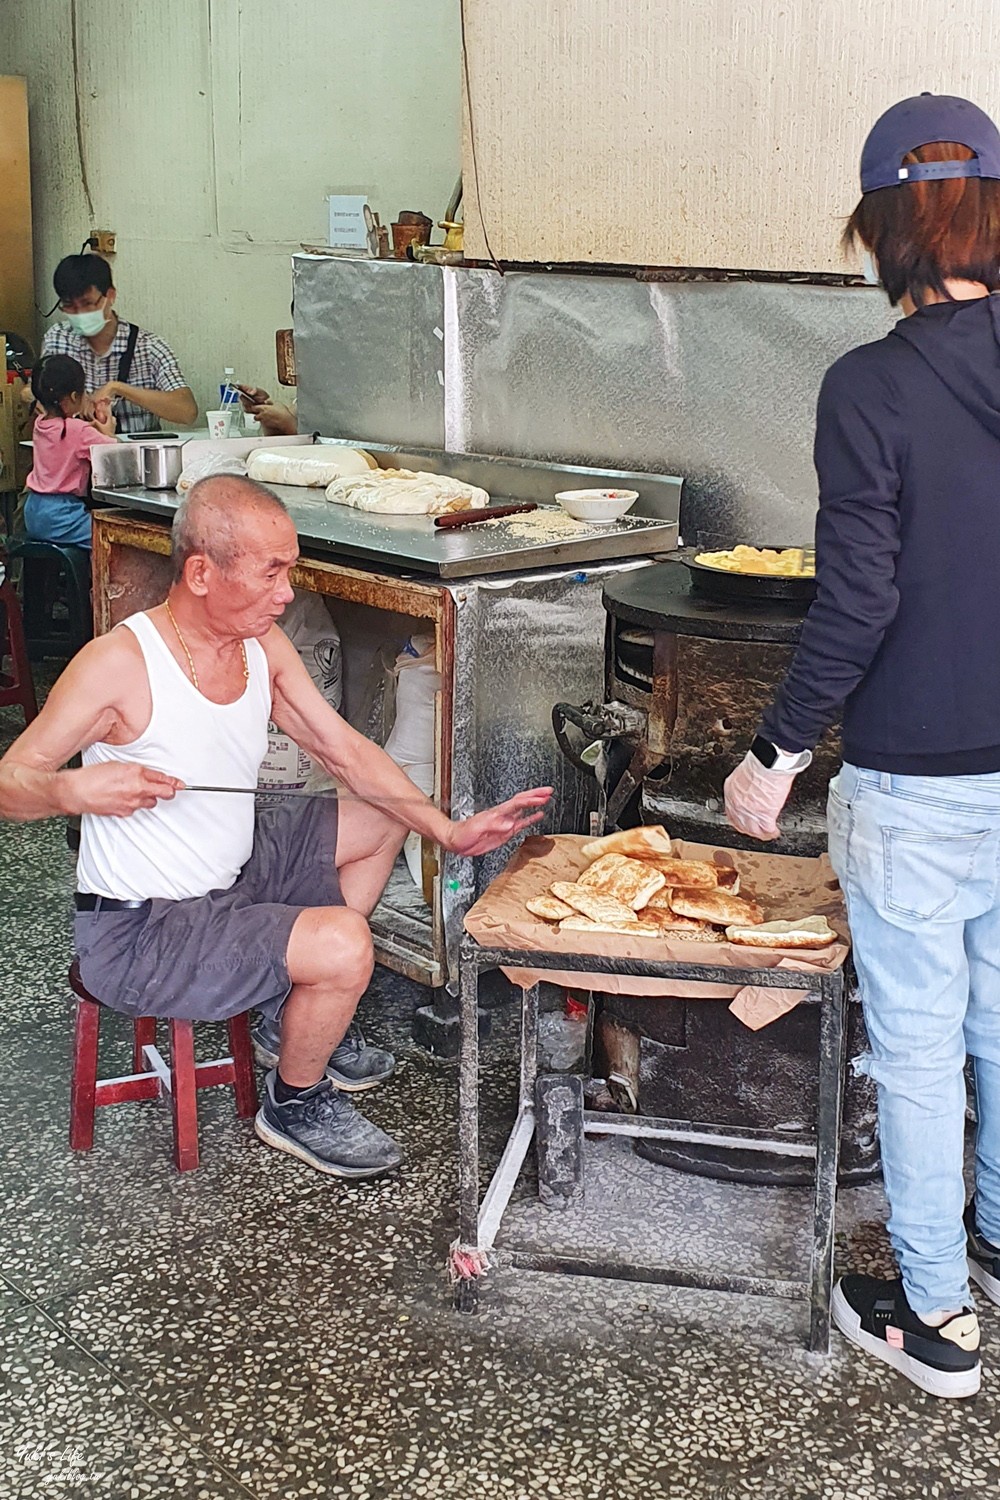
{"points": [[220, 423]]}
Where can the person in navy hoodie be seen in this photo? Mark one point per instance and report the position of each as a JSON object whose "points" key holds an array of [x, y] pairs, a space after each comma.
{"points": [[904, 639]]}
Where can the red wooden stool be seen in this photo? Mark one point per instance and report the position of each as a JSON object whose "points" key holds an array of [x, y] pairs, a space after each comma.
{"points": [[17, 686], [152, 1077]]}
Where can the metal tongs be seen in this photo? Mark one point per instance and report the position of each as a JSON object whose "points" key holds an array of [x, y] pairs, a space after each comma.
{"points": [[329, 794]]}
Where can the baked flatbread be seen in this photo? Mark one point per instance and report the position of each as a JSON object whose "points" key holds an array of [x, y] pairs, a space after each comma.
{"points": [[669, 922], [623, 929], [661, 903], [549, 908], [704, 934], [692, 874], [718, 907], [640, 843], [651, 925], [628, 880], [591, 904], [729, 879], [807, 932]]}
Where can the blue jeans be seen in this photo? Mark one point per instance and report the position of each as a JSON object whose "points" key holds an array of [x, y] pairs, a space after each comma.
{"points": [[919, 861], [57, 518]]}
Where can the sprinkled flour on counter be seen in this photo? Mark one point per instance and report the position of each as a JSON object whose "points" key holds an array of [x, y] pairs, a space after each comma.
{"points": [[543, 525]]}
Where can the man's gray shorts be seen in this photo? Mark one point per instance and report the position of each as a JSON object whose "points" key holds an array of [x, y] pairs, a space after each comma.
{"points": [[210, 957]]}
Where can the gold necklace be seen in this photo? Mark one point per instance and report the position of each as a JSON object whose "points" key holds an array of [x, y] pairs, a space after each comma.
{"points": [[190, 659]]}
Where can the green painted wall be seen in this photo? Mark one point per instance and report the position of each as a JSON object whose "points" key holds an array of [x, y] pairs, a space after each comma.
{"points": [[211, 132]]}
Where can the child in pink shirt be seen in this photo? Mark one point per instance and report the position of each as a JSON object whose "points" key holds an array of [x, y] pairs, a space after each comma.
{"points": [[60, 476]]}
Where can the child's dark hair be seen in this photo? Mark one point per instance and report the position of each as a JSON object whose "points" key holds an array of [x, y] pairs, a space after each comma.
{"points": [[53, 378]]}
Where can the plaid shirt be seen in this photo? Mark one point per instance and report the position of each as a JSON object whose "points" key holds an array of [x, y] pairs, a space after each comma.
{"points": [[154, 368]]}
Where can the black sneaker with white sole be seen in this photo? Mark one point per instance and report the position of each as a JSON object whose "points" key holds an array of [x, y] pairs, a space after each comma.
{"points": [[321, 1128], [353, 1066], [876, 1316], [983, 1257]]}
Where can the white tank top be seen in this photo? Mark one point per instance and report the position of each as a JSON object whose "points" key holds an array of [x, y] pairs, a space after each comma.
{"points": [[197, 842]]}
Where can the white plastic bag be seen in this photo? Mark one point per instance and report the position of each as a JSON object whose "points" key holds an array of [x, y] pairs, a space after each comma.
{"points": [[207, 465], [411, 742], [401, 492], [313, 468], [310, 629]]}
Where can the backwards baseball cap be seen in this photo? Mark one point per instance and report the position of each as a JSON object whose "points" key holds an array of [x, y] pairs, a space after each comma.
{"points": [[919, 121]]}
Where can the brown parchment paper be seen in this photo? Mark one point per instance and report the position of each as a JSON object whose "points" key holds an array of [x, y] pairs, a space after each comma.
{"points": [[786, 888]]}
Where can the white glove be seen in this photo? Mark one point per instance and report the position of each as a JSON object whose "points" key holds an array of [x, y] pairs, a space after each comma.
{"points": [[756, 795]]}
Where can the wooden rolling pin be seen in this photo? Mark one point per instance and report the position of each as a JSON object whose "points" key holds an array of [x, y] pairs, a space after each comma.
{"points": [[489, 513]]}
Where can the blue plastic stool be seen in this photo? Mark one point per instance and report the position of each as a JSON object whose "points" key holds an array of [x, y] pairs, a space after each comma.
{"points": [[73, 563]]}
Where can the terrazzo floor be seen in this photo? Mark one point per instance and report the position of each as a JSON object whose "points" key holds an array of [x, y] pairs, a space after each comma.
{"points": [[254, 1330]]}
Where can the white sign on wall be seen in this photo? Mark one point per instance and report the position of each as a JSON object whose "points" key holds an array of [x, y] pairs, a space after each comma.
{"points": [[352, 224]]}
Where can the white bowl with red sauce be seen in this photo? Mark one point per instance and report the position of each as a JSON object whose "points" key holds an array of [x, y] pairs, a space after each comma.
{"points": [[597, 505]]}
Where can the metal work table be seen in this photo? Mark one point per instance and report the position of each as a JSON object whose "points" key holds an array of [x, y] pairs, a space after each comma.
{"points": [[414, 544], [518, 625], [479, 1223]]}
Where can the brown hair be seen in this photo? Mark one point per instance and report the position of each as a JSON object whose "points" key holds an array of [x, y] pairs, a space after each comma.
{"points": [[922, 233]]}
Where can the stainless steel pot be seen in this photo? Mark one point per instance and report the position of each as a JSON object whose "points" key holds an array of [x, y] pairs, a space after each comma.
{"points": [[116, 466], [161, 465]]}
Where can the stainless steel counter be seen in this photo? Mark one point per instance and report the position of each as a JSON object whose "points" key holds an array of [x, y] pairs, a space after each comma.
{"points": [[414, 544]]}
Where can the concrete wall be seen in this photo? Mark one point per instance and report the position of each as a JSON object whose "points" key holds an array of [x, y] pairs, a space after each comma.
{"points": [[696, 132], [211, 132]]}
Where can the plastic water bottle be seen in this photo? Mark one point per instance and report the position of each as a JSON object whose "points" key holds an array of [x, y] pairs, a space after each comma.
{"points": [[229, 401], [228, 394], [562, 1037]]}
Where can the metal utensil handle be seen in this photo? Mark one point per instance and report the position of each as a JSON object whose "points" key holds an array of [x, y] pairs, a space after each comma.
{"points": [[280, 791]]}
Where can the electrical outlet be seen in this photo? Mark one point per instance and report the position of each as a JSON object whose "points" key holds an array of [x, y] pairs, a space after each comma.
{"points": [[103, 241]]}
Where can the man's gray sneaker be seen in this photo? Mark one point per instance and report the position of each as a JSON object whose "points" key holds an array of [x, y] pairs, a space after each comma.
{"points": [[321, 1128], [353, 1065], [983, 1256]]}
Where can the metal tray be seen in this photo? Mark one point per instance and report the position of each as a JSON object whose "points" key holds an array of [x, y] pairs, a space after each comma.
{"points": [[764, 588]]}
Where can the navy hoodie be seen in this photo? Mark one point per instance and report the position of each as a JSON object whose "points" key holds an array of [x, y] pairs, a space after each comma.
{"points": [[904, 633]]}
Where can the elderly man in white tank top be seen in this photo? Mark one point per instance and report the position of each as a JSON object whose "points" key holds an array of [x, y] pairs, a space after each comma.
{"points": [[193, 905]]}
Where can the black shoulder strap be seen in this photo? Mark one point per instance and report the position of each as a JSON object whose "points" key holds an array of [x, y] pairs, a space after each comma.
{"points": [[125, 363]]}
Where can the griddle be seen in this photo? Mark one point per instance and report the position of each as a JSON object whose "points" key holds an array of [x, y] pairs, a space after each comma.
{"points": [[661, 598], [762, 588]]}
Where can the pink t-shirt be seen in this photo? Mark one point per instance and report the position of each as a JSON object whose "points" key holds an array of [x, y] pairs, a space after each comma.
{"points": [[61, 463]]}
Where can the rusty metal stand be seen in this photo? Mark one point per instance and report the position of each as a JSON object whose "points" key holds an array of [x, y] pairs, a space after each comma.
{"points": [[479, 1223]]}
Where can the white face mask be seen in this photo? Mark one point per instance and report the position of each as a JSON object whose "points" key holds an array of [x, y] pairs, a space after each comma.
{"points": [[869, 269], [88, 324]]}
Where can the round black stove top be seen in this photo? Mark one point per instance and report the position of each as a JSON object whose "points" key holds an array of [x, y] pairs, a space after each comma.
{"points": [[660, 597]]}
